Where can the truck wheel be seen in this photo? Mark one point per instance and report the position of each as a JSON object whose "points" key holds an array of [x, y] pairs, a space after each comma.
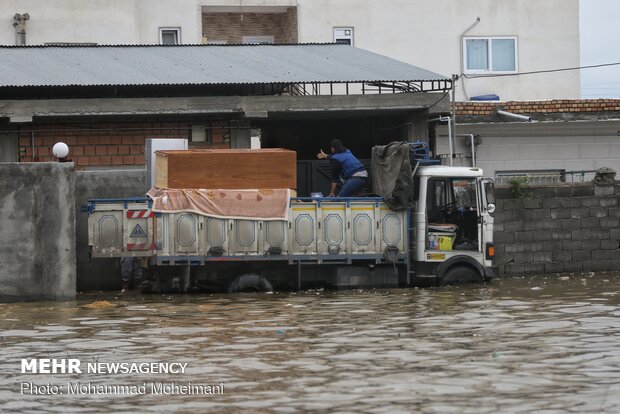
{"points": [[250, 282], [461, 274]]}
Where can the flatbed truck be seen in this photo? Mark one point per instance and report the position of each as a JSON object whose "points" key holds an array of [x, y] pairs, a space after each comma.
{"points": [[445, 237]]}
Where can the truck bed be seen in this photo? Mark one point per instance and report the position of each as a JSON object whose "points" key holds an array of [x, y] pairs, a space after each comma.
{"points": [[327, 230]]}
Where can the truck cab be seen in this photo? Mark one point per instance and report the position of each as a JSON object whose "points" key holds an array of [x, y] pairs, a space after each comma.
{"points": [[452, 238]]}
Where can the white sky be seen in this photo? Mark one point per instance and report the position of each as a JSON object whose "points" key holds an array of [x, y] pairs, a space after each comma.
{"points": [[600, 43]]}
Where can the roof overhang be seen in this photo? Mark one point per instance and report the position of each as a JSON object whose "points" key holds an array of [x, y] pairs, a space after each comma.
{"points": [[243, 106], [288, 69]]}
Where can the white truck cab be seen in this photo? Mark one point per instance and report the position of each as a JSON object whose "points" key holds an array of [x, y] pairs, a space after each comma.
{"points": [[452, 238]]}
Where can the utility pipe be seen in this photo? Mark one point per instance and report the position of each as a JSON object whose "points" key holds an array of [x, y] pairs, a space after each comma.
{"points": [[473, 147], [515, 116], [450, 139]]}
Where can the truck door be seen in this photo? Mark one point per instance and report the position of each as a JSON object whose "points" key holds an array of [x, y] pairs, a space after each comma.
{"points": [[487, 208]]}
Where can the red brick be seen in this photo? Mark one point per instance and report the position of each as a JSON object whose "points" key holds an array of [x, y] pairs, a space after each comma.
{"points": [[139, 159], [116, 139], [127, 139], [77, 150], [105, 160], [139, 140], [101, 150], [89, 150], [112, 149], [71, 140], [104, 140], [123, 149], [128, 160], [93, 140], [42, 151], [116, 160], [135, 149], [24, 141]]}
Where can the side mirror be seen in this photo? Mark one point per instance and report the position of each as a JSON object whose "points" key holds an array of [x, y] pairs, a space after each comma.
{"points": [[491, 208]]}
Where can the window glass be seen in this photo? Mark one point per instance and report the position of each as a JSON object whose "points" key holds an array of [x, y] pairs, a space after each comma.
{"points": [[465, 193], [169, 37], [504, 55], [477, 54], [489, 190]]}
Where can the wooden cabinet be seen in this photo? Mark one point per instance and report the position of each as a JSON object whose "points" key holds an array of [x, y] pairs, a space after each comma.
{"points": [[226, 169]]}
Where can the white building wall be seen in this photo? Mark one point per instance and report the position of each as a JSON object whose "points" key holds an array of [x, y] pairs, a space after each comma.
{"points": [[570, 146], [421, 32]]}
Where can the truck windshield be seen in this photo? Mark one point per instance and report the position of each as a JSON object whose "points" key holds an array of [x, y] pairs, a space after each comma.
{"points": [[464, 193]]}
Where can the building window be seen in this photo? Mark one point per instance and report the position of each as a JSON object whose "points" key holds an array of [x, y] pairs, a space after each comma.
{"points": [[343, 35], [490, 54], [169, 35], [260, 40]]}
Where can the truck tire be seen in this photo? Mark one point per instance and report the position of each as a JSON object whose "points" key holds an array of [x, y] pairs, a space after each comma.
{"points": [[250, 282], [460, 274]]}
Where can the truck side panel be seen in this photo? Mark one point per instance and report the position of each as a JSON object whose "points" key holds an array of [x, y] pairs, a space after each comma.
{"points": [[319, 229]]}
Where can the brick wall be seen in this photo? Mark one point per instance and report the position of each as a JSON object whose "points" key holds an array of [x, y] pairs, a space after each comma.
{"points": [[230, 27], [559, 228], [109, 144], [538, 107]]}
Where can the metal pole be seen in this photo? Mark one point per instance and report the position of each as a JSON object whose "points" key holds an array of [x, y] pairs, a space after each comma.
{"points": [[473, 150], [450, 140], [455, 78]]}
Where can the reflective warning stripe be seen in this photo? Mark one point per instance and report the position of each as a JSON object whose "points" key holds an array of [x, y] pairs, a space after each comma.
{"points": [[141, 246], [134, 214]]}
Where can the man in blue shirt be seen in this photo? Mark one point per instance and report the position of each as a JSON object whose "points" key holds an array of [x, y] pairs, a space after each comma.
{"points": [[346, 169]]}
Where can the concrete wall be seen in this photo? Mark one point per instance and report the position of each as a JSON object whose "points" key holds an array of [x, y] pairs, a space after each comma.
{"points": [[560, 228], [37, 237], [101, 274], [522, 146], [420, 32]]}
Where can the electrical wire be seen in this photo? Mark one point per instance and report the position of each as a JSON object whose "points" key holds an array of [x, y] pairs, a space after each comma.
{"points": [[442, 97], [501, 75]]}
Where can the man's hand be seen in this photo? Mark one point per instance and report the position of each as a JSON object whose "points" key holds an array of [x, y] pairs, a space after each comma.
{"points": [[333, 190], [321, 155]]}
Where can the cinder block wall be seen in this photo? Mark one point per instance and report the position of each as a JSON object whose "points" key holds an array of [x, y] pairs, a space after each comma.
{"points": [[37, 236], [558, 228]]}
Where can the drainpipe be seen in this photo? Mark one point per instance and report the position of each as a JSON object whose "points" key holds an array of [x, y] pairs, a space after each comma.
{"points": [[515, 116], [473, 147], [463, 54], [19, 23]]}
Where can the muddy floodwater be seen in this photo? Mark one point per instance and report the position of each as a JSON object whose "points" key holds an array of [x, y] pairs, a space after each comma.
{"points": [[535, 344]]}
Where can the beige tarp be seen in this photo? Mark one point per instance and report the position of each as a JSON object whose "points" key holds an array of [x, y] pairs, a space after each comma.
{"points": [[229, 204]]}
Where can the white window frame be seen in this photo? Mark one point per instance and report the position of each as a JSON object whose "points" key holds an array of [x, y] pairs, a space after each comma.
{"points": [[490, 39], [351, 28], [175, 28]]}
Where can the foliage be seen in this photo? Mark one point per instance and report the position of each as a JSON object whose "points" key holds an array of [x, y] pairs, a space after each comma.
{"points": [[518, 188]]}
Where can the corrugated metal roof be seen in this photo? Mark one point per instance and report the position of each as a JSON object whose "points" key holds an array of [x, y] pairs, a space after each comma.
{"points": [[199, 64]]}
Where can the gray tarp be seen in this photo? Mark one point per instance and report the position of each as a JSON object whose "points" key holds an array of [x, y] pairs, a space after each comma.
{"points": [[392, 178]]}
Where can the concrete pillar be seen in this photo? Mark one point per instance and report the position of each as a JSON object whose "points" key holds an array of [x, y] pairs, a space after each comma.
{"points": [[37, 241]]}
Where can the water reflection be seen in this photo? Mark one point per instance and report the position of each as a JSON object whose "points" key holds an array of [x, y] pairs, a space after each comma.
{"points": [[526, 344]]}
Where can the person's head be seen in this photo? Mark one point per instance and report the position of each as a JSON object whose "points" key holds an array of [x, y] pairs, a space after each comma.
{"points": [[337, 146]]}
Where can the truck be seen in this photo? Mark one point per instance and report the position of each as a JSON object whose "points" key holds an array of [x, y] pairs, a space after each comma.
{"points": [[445, 237]]}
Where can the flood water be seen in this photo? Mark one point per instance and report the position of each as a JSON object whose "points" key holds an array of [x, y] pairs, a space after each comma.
{"points": [[544, 344]]}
